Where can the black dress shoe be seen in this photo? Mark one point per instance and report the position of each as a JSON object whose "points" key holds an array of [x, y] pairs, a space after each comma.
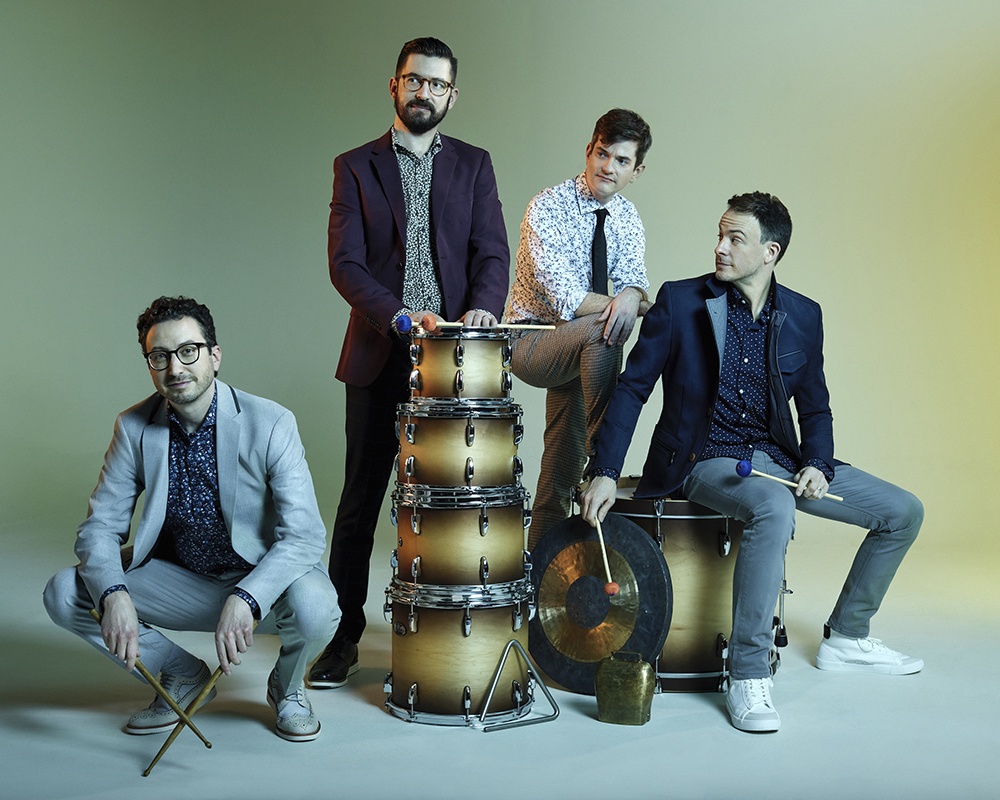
{"points": [[337, 661]]}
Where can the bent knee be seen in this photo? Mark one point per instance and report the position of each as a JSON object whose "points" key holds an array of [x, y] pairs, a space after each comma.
{"points": [[61, 597]]}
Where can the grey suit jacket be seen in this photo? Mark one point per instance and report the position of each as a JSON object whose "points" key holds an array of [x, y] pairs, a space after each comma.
{"points": [[265, 489]]}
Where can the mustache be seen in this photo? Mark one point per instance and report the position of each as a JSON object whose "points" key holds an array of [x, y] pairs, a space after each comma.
{"points": [[420, 104]]}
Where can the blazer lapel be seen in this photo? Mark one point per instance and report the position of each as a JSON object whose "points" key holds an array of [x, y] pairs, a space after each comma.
{"points": [[228, 426], [156, 473], [387, 169]]}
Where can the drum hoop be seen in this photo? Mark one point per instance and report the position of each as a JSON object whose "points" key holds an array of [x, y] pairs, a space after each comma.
{"points": [[472, 489], [459, 596], [459, 497], [464, 409], [472, 721], [461, 333]]}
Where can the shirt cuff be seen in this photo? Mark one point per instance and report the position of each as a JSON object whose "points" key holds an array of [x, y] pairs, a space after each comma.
{"points": [[118, 587], [244, 595], [822, 466], [605, 472]]}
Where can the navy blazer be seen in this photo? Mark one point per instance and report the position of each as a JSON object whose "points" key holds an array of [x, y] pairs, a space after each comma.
{"points": [[680, 344], [367, 244]]}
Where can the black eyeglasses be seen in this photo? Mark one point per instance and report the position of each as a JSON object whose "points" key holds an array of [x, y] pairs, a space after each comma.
{"points": [[412, 83], [159, 360]]}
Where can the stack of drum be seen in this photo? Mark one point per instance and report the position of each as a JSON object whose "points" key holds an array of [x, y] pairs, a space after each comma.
{"points": [[460, 590]]}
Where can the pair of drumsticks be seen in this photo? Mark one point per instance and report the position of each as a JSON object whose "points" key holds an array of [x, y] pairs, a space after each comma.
{"points": [[183, 717]]}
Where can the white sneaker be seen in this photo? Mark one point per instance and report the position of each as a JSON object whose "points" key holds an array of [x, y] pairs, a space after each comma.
{"points": [[841, 653], [750, 707]]}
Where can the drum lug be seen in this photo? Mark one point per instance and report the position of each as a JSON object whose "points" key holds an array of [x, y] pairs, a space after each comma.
{"points": [[531, 608], [395, 463], [484, 522], [527, 518], [526, 560], [722, 647], [415, 381], [408, 467], [411, 698], [470, 470], [515, 694], [387, 684], [394, 515], [484, 570], [725, 544], [470, 433], [460, 355], [394, 560], [506, 353], [415, 352], [467, 622], [411, 429], [397, 427], [518, 433], [518, 467], [517, 619], [467, 702], [415, 568], [415, 523], [459, 384], [506, 382], [387, 606], [412, 620]]}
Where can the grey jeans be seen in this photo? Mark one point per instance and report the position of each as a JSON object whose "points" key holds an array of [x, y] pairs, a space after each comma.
{"points": [[767, 509]]}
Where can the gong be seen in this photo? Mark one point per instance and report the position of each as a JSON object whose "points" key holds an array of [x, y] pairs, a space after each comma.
{"points": [[577, 624]]}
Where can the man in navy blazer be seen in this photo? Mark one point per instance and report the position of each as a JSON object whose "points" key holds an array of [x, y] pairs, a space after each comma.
{"points": [[230, 531], [732, 350], [416, 229]]}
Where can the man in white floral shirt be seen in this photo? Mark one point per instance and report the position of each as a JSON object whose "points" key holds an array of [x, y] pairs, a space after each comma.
{"points": [[580, 266]]}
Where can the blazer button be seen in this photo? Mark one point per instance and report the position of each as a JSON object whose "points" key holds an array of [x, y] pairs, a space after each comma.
{"points": [[400, 266], [693, 457]]}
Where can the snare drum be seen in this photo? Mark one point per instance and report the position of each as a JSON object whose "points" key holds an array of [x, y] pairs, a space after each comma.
{"points": [[459, 444], [451, 538], [700, 547], [444, 658], [461, 363]]}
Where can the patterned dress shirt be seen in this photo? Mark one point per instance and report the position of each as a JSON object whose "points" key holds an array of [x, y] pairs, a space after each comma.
{"points": [[553, 267], [194, 532], [421, 284], [740, 425]]}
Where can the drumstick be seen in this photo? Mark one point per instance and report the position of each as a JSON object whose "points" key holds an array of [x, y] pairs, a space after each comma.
{"points": [[743, 469], [186, 720], [152, 681], [610, 588]]}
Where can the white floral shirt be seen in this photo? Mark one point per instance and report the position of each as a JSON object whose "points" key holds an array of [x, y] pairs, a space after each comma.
{"points": [[553, 267]]}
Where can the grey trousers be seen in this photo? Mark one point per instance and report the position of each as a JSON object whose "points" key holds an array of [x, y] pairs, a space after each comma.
{"points": [[580, 372], [891, 515], [166, 595]]}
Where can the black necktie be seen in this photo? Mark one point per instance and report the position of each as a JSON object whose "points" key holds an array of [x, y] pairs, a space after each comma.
{"points": [[599, 255]]}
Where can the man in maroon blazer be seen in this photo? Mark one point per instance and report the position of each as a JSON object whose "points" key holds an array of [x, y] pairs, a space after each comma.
{"points": [[415, 228]]}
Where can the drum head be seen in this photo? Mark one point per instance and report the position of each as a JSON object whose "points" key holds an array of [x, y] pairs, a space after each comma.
{"points": [[577, 624]]}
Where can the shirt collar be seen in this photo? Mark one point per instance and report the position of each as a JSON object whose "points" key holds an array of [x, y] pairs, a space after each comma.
{"points": [[432, 151], [736, 299], [585, 198], [207, 423]]}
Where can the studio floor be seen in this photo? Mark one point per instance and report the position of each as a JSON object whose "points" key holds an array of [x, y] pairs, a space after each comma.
{"points": [[930, 735]]}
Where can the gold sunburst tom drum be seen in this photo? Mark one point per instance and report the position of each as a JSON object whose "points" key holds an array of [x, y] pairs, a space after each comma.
{"points": [[459, 444], [444, 658], [460, 538], [461, 364]]}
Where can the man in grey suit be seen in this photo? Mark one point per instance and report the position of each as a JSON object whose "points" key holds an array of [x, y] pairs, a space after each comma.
{"points": [[230, 531]]}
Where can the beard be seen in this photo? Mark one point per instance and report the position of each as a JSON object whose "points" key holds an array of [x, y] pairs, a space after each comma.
{"points": [[420, 117]]}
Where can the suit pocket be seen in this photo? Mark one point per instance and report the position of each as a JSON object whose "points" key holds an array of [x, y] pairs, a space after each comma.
{"points": [[663, 448], [791, 362]]}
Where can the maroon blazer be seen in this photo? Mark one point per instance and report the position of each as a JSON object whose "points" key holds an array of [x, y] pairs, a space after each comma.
{"points": [[367, 244]]}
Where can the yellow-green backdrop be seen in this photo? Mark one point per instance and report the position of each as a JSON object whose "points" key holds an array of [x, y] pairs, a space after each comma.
{"points": [[185, 147]]}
